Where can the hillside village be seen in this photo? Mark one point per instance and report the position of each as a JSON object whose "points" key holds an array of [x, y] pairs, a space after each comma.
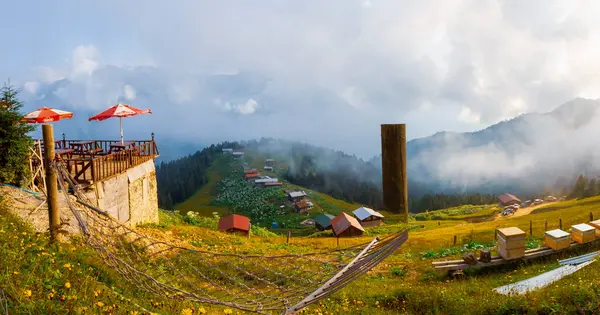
{"points": [[342, 225]]}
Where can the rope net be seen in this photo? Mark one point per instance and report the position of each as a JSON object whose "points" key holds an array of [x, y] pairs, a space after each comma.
{"points": [[262, 284]]}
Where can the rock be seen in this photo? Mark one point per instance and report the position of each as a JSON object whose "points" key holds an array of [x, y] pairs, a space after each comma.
{"points": [[470, 258]]}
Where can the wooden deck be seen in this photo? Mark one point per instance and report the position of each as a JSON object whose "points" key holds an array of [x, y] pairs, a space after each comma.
{"points": [[90, 161]]}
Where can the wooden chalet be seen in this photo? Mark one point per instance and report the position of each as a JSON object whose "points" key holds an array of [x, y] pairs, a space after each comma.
{"points": [[323, 221], [92, 161], [273, 184], [251, 176], [345, 225], [508, 199], [296, 196], [238, 154], [235, 224], [270, 163], [227, 151], [303, 206], [368, 217]]}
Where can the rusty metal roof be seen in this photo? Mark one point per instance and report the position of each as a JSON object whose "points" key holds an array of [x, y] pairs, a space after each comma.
{"points": [[344, 221], [506, 198], [234, 221]]}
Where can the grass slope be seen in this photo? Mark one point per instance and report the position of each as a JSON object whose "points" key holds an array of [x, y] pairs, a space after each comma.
{"points": [[405, 283]]}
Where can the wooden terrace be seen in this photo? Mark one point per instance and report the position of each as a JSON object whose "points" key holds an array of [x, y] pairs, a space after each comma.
{"points": [[90, 161]]}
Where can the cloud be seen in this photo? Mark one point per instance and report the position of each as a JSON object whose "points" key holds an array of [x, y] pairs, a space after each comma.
{"points": [[129, 92], [327, 78], [31, 87], [247, 108]]}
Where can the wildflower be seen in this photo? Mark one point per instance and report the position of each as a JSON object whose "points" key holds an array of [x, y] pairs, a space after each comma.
{"points": [[187, 311], [228, 311], [202, 310], [16, 273], [51, 295], [100, 304], [68, 285], [27, 293]]}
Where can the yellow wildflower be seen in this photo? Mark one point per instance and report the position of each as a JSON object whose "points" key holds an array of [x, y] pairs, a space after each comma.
{"points": [[15, 273], [187, 311], [27, 293], [100, 304], [202, 310], [68, 285], [228, 311]]}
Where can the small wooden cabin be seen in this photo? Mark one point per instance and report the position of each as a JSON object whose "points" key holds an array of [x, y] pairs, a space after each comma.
{"points": [[235, 224], [296, 196], [303, 206], [368, 217], [323, 221], [345, 225], [508, 199], [270, 163]]}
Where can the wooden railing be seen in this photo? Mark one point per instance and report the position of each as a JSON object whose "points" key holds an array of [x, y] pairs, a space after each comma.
{"points": [[88, 168]]}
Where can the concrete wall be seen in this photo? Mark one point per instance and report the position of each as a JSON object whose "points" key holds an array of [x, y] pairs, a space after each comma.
{"points": [[131, 197]]}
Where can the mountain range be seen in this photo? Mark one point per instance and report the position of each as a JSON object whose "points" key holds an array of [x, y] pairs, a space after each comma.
{"points": [[531, 153]]}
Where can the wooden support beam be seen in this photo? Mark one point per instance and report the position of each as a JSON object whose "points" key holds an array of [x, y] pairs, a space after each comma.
{"points": [[51, 182], [393, 165]]}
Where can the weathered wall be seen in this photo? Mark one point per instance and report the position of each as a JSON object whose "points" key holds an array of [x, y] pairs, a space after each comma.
{"points": [[131, 197]]}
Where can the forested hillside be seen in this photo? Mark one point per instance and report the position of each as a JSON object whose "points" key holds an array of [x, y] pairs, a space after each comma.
{"points": [[331, 172]]}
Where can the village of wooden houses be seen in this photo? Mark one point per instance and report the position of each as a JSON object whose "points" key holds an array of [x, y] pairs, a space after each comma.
{"points": [[342, 225]]}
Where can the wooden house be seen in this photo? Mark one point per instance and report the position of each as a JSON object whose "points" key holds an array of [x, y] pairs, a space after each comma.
{"points": [[368, 217], [270, 163], [265, 179], [236, 224], [323, 221], [303, 206], [345, 225], [296, 196], [251, 176], [272, 184], [268, 168], [238, 154], [508, 199], [227, 151]]}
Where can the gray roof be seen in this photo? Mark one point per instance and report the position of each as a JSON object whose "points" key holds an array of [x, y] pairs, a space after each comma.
{"points": [[364, 212], [295, 194]]}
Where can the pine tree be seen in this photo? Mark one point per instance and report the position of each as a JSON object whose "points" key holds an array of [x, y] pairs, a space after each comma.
{"points": [[14, 141]]}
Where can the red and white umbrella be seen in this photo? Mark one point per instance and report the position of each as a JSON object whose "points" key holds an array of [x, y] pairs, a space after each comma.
{"points": [[45, 115], [120, 110]]}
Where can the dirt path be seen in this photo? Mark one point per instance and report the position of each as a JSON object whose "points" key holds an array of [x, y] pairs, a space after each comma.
{"points": [[520, 211]]}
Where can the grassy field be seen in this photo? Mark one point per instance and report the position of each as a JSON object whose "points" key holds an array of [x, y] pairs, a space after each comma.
{"points": [[405, 283]]}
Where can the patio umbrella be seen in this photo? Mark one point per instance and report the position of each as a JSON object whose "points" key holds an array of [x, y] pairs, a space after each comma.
{"points": [[120, 110], [45, 115]]}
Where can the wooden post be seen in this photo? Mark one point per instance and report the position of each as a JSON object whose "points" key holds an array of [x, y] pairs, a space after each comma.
{"points": [[338, 241], [51, 182], [591, 217], [530, 228], [560, 223], [289, 234], [393, 166], [546, 226], [249, 229], [454, 239]]}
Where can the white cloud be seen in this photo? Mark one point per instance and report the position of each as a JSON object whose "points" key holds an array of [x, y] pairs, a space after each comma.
{"points": [[247, 108], [129, 92], [468, 116], [31, 87], [84, 60]]}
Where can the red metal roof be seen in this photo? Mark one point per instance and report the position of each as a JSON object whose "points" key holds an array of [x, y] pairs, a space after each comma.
{"points": [[234, 221], [251, 175], [302, 204], [344, 221], [250, 171]]}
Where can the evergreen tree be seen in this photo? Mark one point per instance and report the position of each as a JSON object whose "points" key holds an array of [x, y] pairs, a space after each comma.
{"points": [[580, 187], [14, 141]]}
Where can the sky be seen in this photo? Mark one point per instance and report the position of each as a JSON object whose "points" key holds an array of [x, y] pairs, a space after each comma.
{"points": [[323, 72]]}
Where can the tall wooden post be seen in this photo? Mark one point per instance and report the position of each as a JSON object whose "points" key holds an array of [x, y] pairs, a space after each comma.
{"points": [[393, 165], [51, 182]]}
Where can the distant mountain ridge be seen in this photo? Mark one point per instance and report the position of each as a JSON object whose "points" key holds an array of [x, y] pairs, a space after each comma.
{"points": [[527, 154]]}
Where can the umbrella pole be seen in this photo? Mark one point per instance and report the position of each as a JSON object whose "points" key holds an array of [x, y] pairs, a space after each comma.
{"points": [[121, 125]]}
